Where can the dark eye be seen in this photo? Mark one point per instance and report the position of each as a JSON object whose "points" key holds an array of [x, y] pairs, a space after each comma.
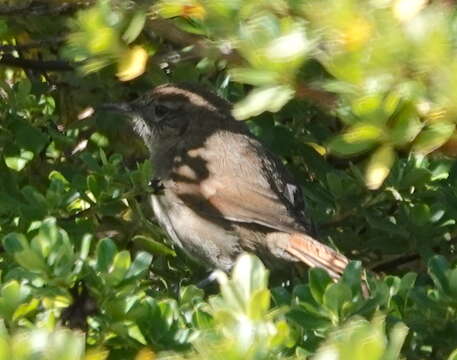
{"points": [[161, 110]]}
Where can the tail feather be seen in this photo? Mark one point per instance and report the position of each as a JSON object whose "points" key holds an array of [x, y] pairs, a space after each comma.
{"points": [[315, 254]]}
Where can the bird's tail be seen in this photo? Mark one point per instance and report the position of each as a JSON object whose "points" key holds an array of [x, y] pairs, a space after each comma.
{"points": [[315, 254]]}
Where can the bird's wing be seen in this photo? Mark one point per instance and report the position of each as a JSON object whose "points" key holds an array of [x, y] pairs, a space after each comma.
{"points": [[246, 184]]}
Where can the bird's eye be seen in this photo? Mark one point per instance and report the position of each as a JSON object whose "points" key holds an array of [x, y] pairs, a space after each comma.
{"points": [[161, 110]]}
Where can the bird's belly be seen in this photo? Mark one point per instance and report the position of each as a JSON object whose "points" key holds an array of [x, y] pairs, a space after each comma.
{"points": [[211, 242]]}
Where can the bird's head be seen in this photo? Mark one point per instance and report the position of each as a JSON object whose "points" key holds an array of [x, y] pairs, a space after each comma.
{"points": [[167, 113]]}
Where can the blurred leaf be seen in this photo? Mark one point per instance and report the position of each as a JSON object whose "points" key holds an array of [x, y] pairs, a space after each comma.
{"points": [[434, 135], [379, 166], [406, 125], [453, 355], [145, 354], [357, 139], [253, 76], [362, 340], [96, 354], [269, 98], [437, 268], [132, 63], [135, 27]]}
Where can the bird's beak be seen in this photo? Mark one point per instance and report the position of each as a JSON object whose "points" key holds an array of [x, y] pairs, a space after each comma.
{"points": [[122, 108]]}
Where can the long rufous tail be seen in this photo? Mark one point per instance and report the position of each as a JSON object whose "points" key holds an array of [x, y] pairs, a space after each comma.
{"points": [[315, 254]]}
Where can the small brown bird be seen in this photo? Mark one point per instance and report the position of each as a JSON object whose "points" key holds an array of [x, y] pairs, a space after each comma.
{"points": [[222, 192]]}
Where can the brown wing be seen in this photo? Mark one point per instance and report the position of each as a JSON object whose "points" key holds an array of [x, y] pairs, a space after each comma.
{"points": [[234, 177]]}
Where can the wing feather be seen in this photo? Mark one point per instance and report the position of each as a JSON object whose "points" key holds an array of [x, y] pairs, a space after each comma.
{"points": [[247, 184]]}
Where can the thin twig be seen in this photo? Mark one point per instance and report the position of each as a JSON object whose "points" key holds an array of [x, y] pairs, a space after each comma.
{"points": [[39, 8], [394, 263], [32, 44], [321, 97], [41, 65]]}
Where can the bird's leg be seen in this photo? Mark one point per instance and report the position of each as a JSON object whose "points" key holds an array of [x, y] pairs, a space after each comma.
{"points": [[156, 185]]}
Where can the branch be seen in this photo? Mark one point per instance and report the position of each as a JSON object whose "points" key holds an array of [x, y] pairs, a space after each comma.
{"points": [[201, 45], [394, 263], [167, 30], [404, 259], [32, 44], [40, 65], [40, 8], [321, 97]]}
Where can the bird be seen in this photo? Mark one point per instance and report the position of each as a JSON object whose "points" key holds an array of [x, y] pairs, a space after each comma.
{"points": [[221, 191]]}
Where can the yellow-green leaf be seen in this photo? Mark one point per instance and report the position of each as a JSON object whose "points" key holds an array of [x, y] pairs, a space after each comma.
{"points": [[379, 166]]}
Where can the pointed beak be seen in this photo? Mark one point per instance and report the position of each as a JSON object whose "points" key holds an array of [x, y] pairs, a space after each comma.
{"points": [[122, 108]]}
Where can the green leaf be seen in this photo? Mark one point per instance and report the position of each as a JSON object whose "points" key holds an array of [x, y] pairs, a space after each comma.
{"points": [[135, 26], [437, 268], [135, 333], [453, 355], [152, 245], [28, 137], [434, 136], [405, 126], [106, 250], [259, 304], [357, 340], [335, 296], [46, 238], [12, 295], [249, 276], [190, 294], [379, 166], [16, 158], [94, 185], [24, 309], [307, 320], [268, 98], [140, 265], [335, 184], [24, 86], [119, 268], [397, 338], [253, 76], [17, 245], [452, 278], [407, 283], [15, 242], [319, 279], [367, 105], [352, 276], [357, 139]]}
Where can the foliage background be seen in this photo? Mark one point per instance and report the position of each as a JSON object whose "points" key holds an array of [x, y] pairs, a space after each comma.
{"points": [[357, 97]]}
